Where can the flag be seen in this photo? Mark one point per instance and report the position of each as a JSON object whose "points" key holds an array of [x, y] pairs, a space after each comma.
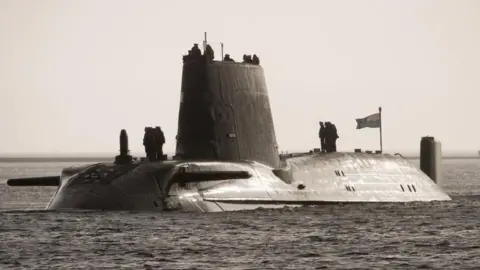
{"points": [[371, 121]]}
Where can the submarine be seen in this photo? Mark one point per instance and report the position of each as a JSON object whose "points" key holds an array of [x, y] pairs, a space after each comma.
{"points": [[227, 158]]}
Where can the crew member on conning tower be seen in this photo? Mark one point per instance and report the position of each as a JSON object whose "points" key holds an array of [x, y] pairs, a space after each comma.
{"points": [[255, 60], [209, 54], [247, 59], [227, 58], [195, 51]]}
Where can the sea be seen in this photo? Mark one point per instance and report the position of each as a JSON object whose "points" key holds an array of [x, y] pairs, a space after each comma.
{"points": [[433, 235]]}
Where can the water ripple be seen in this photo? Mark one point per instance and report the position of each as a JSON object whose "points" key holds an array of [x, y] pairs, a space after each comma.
{"points": [[436, 235]]}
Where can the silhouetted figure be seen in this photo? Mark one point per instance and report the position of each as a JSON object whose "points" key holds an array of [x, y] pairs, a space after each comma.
{"points": [[227, 58], [149, 143], [247, 59], [331, 137], [321, 135], [335, 137], [159, 142], [195, 51], [328, 137], [255, 60], [209, 54], [188, 56]]}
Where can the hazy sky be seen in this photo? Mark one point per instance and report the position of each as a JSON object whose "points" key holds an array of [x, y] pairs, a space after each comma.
{"points": [[73, 73]]}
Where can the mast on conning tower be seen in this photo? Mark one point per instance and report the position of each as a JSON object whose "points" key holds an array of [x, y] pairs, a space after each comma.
{"points": [[221, 44], [205, 41]]}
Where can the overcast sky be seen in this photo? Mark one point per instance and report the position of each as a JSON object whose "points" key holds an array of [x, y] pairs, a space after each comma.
{"points": [[73, 73]]}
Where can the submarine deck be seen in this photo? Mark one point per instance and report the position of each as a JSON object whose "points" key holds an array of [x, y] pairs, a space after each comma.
{"points": [[311, 178]]}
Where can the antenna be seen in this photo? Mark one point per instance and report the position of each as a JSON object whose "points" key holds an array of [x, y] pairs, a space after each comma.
{"points": [[205, 41], [221, 44]]}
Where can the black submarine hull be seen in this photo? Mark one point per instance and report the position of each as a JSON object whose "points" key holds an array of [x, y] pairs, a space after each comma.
{"points": [[215, 186], [227, 158]]}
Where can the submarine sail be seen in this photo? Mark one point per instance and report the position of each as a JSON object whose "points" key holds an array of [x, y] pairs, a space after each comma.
{"points": [[225, 113]]}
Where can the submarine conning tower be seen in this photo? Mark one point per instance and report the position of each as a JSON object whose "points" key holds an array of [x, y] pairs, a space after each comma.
{"points": [[224, 111]]}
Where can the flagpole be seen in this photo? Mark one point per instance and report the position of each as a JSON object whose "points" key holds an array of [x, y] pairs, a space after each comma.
{"points": [[381, 141]]}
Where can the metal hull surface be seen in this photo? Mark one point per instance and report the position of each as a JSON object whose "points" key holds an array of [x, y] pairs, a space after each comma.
{"points": [[303, 180]]}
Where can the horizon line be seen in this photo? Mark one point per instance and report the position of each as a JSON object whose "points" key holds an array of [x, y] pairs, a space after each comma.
{"points": [[113, 154], [103, 156]]}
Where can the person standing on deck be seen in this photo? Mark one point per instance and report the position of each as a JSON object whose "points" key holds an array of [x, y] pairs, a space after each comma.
{"points": [[321, 135], [149, 143], [159, 142]]}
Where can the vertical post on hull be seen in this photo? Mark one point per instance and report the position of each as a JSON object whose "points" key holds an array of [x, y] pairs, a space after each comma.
{"points": [[431, 158], [221, 45], [381, 139]]}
